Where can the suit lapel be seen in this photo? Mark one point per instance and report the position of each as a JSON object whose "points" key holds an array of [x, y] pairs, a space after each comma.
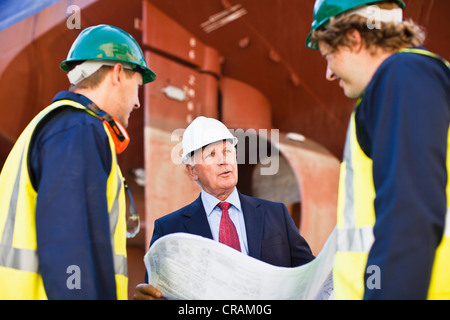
{"points": [[254, 221], [196, 221]]}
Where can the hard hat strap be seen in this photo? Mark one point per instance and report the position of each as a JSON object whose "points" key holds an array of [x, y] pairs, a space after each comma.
{"points": [[381, 15], [89, 67]]}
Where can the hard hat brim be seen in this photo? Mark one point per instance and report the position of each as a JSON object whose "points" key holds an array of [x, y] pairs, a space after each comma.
{"points": [[187, 156], [147, 74], [310, 44]]}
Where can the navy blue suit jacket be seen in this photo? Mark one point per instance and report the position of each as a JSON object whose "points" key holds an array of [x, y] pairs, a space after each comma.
{"points": [[271, 233]]}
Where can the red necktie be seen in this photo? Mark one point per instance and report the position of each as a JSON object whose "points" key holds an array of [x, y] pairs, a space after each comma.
{"points": [[227, 231]]}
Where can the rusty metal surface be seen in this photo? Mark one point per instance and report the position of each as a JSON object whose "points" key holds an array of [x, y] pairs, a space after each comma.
{"points": [[251, 71], [194, 94], [264, 48], [317, 173], [276, 61], [243, 106]]}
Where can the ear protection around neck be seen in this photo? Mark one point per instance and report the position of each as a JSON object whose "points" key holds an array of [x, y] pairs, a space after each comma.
{"points": [[118, 132]]}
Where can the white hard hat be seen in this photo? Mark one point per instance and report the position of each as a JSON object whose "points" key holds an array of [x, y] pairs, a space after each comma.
{"points": [[202, 132]]}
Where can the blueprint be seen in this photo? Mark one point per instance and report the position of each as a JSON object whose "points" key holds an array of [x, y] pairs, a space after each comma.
{"points": [[190, 267]]}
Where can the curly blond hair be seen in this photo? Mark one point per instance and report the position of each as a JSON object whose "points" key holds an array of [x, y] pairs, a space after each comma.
{"points": [[388, 36]]}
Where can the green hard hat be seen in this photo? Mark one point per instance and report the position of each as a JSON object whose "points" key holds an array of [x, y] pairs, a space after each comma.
{"points": [[326, 9], [105, 42]]}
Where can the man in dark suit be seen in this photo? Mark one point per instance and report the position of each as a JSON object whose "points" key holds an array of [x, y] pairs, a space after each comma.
{"points": [[259, 228]]}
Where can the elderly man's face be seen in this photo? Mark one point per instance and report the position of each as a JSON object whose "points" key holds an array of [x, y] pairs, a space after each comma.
{"points": [[216, 169]]}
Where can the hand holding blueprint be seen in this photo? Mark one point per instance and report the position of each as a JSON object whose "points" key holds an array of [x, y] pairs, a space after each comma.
{"points": [[190, 267]]}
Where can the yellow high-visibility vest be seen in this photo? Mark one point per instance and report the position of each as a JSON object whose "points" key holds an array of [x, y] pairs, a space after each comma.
{"points": [[19, 263], [356, 219]]}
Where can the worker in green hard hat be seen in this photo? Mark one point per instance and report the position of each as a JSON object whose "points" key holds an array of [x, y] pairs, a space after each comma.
{"points": [[99, 49], [393, 238], [63, 212]]}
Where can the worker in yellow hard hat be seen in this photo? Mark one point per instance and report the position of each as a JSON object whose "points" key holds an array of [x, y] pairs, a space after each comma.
{"points": [[393, 228], [62, 195]]}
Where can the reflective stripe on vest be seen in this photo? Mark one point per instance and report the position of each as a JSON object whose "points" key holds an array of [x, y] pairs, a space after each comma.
{"points": [[19, 265], [354, 234], [356, 218], [425, 53]]}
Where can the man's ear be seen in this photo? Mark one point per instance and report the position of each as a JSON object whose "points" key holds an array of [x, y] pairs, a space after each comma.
{"points": [[355, 40], [191, 170], [116, 73]]}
